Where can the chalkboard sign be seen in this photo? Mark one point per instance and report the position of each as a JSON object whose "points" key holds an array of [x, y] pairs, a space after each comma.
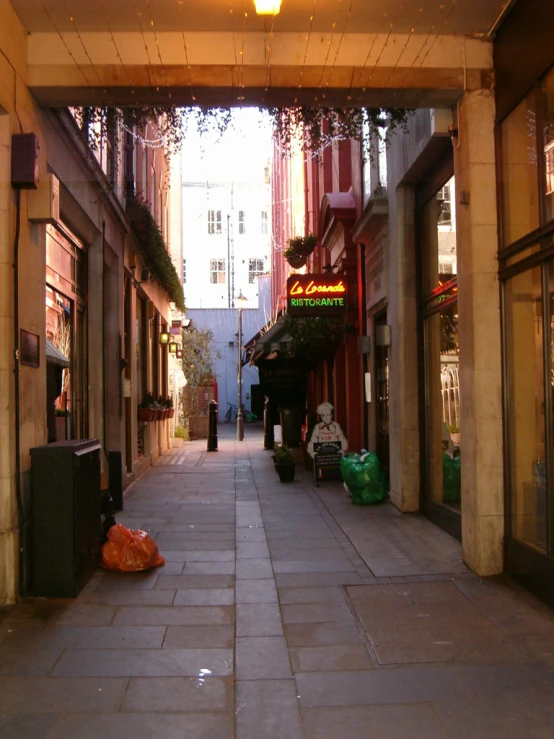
{"points": [[327, 457]]}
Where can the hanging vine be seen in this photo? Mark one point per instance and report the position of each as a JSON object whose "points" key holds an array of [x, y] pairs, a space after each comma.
{"points": [[314, 128]]}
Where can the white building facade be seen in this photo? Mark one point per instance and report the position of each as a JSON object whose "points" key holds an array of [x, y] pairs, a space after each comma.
{"points": [[226, 207]]}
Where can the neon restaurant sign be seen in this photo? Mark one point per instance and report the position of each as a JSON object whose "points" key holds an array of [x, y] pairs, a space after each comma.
{"points": [[316, 295]]}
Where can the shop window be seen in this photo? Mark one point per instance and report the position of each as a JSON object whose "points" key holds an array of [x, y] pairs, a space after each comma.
{"points": [[443, 440], [242, 224], [256, 268], [217, 271], [439, 238], [214, 221], [526, 406], [520, 195]]}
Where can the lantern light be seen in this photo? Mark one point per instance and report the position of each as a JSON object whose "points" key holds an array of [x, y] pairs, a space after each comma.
{"points": [[179, 354], [267, 7], [173, 347], [164, 337]]}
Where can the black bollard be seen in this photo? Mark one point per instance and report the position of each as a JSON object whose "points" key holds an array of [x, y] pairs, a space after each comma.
{"points": [[212, 427], [268, 428]]}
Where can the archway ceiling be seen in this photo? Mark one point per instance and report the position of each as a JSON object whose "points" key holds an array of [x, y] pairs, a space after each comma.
{"points": [[320, 52]]}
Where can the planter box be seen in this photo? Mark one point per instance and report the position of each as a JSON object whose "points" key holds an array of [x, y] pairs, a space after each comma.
{"points": [[171, 412], [146, 414], [285, 472]]}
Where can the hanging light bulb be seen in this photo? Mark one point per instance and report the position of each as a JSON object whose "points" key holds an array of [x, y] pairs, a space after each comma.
{"points": [[267, 7]]}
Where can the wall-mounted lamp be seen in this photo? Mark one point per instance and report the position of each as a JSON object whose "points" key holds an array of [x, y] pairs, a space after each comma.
{"points": [[144, 276], [164, 337], [267, 7], [179, 354], [173, 347]]}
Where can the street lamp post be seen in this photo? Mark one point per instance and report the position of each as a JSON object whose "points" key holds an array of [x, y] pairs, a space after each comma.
{"points": [[240, 299]]}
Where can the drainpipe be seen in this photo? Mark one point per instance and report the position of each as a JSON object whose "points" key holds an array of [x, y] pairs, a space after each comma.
{"points": [[18, 494], [104, 342]]}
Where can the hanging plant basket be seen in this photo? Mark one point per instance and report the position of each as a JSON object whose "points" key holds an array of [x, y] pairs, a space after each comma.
{"points": [[296, 261], [303, 245]]}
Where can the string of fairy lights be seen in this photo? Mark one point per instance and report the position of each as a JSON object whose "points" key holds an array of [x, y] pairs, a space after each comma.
{"points": [[180, 4], [380, 43]]}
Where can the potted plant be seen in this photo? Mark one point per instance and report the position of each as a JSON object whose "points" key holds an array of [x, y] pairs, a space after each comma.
{"points": [[454, 431], [145, 411], [284, 462], [170, 408]]}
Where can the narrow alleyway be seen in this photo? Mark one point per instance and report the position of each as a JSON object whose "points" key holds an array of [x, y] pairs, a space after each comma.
{"points": [[283, 612]]}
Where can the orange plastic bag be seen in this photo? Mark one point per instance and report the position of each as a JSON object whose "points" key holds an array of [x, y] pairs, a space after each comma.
{"points": [[128, 550]]}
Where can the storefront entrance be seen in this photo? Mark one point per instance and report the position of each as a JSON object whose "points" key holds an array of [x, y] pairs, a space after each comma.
{"points": [[441, 434], [527, 275], [66, 331]]}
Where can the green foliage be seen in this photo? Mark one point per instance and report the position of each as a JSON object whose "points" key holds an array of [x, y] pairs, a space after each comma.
{"points": [[181, 433], [320, 126], [198, 356], [302, 245], [306, 330], [282, 454], [147, 400], [154, 253]]}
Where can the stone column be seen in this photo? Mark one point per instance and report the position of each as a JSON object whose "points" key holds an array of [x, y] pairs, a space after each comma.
{"points": [[402, 317], [8, 507], [479, 335]]}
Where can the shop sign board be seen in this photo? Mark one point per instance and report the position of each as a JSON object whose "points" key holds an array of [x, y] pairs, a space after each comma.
{"points": [[316, 295]]}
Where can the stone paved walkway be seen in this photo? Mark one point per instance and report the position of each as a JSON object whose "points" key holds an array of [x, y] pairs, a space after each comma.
{"points": [[283, 612]]}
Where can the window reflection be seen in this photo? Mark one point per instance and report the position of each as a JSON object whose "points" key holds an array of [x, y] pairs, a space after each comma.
{"points": [[526, 419], [520, 196], [549, 145]]}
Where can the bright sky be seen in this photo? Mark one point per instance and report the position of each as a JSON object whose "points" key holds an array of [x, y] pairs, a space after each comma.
{"points": [[239, 155]]}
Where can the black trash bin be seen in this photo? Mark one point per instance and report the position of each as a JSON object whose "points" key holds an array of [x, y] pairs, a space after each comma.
{"points": [[291, 425], [66, 516]]}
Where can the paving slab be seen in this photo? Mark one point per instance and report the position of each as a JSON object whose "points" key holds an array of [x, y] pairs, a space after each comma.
{"points": [[282, 612]]}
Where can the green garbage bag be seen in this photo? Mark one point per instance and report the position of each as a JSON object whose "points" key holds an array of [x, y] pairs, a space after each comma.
{"points": [[364, 477], [451, 479]]}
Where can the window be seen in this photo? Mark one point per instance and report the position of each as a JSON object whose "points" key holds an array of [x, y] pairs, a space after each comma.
{"points": [[264, 222], [214, 221], [520, 191], [256, 268], [440, 251], [242, 227], [217, 271], [444, 210], [184, 271]]}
